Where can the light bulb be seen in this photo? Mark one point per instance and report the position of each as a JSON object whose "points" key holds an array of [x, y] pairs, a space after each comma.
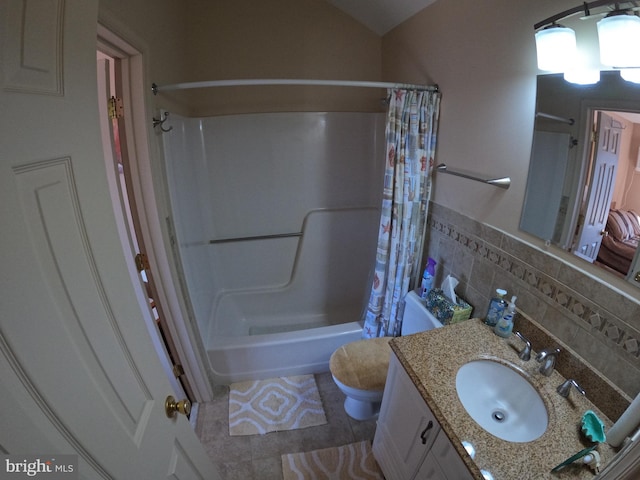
{"points": [[556, 47], [619, 37], [630, 74], [582, 76]]}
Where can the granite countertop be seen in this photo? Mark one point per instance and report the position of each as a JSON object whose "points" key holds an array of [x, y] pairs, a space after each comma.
{"points": [[432, 360]]}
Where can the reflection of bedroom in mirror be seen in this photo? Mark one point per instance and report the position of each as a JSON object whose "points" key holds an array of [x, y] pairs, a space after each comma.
{"points": [[582, 192], [608, 226]]}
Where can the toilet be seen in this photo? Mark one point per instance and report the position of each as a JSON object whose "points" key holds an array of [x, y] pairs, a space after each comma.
{"points": [[359, 368]]}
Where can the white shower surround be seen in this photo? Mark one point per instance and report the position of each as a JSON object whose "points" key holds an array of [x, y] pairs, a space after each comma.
{"points": [[279, 306]]}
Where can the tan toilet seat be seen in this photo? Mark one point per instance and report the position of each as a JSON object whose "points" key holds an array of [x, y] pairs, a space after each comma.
{"points": [[362, 364]]}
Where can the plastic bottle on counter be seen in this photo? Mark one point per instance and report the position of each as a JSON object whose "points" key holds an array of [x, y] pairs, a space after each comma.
{"points": [[427, 277], [505, 325], [497, 307]]}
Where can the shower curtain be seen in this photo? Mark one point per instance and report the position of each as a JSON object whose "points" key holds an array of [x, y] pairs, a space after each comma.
{"points": [[411, 130]]}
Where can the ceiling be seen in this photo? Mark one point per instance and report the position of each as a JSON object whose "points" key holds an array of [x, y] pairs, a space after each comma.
{"points": [[381, 15]]}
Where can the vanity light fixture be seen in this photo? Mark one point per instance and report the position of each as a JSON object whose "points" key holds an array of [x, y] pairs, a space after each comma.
{"points": [[582, 76], [618, 36], [556, 47], [631, 75]]}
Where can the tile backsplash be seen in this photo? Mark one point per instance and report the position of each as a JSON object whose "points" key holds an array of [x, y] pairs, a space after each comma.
{"points": [[596, 322]]}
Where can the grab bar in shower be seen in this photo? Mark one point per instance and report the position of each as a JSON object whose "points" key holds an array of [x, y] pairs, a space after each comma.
{"points": [[255, 237], [555, 118], [502, 182]]}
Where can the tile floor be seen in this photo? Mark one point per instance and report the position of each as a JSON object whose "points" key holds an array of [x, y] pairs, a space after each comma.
{"points": [[256, 457]]}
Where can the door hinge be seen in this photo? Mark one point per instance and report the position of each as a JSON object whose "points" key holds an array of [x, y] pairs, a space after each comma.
{"points": [[115, 108], [142, 262], [178, 370]]}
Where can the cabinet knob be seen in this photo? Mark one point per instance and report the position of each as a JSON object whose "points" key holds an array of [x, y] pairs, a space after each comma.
{"points": [[423, 435]]}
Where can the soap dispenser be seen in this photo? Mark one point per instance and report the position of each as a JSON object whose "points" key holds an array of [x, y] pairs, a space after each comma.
{"points": [[497, 308], [427, 278], [505, 325]]}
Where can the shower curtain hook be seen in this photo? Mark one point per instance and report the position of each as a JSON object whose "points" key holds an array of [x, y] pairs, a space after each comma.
{"points": [[160, 121]]}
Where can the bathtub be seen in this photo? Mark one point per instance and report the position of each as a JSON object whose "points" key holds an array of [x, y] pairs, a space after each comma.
{"points": [[294, 328], [255, 357], [276, 219]]}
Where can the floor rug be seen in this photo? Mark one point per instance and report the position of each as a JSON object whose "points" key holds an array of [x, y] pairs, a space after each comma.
{"points": [[263, 406], [354, 462]]}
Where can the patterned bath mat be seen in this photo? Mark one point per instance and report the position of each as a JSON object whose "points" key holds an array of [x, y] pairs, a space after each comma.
{"points": [[263, 406], [354, 461]]}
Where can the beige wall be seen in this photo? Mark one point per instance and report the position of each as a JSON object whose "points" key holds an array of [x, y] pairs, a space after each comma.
{"points": [[482, 54], [200, 40], [307, 39], [157, 28]]}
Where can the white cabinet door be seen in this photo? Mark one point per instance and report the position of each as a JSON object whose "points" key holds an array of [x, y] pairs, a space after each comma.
{"points": [[430, 469], [406, 427], [451, 465]]}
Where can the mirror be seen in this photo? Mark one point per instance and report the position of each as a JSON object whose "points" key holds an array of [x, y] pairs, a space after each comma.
{"points": [[582, 193]]}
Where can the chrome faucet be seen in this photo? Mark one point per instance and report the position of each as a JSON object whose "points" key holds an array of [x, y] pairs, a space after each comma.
{"points": [[547, 358], [525, 353], [565, 388]]}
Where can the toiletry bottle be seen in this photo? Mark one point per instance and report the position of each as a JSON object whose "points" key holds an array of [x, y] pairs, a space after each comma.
{"points": [[427, 278], [497, 307], [505, 325]]}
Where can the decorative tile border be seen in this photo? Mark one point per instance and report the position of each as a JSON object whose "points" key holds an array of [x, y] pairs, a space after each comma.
{"points": [[598, 321]]}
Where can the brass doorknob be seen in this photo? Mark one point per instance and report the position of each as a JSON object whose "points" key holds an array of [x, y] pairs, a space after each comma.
{"points": [[604, 233], [637, 277], [171, 407]]}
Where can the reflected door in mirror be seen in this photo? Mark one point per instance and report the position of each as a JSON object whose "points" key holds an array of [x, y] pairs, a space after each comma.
{"points": [[601, 192]]}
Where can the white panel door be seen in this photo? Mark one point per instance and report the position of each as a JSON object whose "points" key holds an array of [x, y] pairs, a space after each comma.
{"points": [[430, 470], [78, 370], [601, 192]]}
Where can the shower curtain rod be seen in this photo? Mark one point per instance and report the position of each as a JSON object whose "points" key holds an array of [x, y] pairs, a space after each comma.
{"points": [[155, 88]]}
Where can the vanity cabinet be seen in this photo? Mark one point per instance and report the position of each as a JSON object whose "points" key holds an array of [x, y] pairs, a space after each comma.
{"points": [[409, 442], [443, 462]]}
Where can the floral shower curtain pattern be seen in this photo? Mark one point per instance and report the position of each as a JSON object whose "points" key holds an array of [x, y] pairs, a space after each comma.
{"points": [[411, 130]]}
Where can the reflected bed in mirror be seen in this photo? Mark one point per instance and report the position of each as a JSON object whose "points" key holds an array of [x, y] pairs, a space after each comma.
{"points": [[583, 187]]}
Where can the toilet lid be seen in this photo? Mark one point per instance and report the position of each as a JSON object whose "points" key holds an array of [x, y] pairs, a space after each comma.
{"points": [[362, 364]]}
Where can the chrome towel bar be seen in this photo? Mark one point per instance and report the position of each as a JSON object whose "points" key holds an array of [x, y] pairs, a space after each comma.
{"points": [[502, 182]]}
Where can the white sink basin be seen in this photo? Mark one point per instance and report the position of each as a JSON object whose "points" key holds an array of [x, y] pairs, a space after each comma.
{"points": [[501, 401]]}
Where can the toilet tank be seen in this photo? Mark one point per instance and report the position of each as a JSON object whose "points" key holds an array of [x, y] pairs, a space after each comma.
{"points": [[416, 317]]}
